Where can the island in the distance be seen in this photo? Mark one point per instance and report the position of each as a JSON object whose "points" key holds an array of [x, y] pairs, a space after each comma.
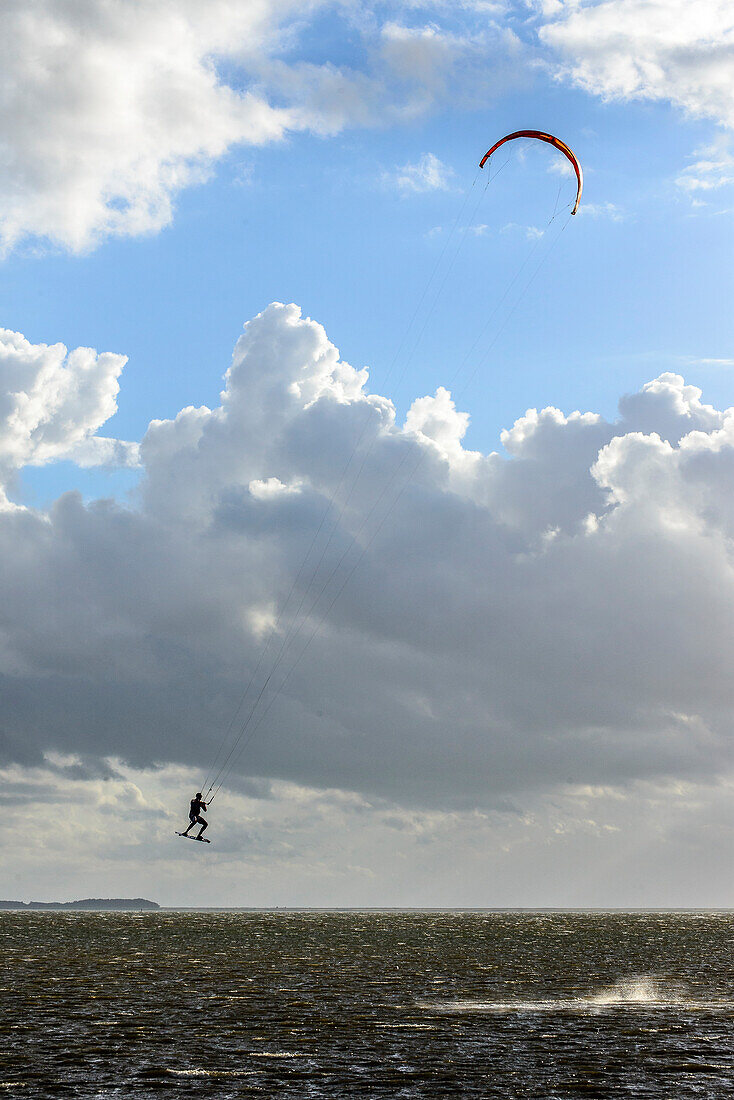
{"points": [[84, 903]]}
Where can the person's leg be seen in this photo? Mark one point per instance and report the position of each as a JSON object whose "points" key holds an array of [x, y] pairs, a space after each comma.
{"points": [[192, 821], [203, 824]]}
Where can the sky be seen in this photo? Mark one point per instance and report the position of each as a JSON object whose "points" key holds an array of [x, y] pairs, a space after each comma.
{"points": [[372, 486]]}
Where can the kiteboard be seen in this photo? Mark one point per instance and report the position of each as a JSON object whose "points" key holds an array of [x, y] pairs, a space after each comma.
{"points": [[201, 839]]}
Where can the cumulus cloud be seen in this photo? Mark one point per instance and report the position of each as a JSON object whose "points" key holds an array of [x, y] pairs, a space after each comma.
{"points": [[108, 110], [52, 402], [637, 49], [511, 624]]}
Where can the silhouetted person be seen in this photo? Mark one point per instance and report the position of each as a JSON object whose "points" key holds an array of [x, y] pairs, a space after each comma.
{"points": [[195, 818]]}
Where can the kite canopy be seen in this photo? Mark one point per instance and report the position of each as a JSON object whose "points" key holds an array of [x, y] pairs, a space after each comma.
{"points": [[556, 143]]}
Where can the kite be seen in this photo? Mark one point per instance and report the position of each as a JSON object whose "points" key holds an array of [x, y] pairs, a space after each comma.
{"points": [[556, 143]]}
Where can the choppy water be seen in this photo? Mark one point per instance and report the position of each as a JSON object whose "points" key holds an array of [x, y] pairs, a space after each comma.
{"points": [[367, 1005]]}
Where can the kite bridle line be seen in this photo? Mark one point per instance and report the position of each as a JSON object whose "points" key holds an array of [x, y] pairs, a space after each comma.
{"points": [[274, 629], [239, 747], [376, 532], [294, 630], [292, 626]]}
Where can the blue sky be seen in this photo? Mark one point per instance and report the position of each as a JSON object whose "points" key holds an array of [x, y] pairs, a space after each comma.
{"points": [[558, 616], [640, 285]]}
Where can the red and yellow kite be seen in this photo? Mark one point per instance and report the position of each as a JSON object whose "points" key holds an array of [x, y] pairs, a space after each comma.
{"points": [[556, 143]]}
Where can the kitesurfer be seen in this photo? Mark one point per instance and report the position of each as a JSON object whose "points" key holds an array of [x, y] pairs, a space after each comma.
{"points": [[195, 818]]}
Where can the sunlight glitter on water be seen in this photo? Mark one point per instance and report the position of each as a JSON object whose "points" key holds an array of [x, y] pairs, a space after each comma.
{"points": [[382, 1005]]}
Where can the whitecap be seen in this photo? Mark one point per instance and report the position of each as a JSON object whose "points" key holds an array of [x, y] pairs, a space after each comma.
{"points": [[641, 994]]}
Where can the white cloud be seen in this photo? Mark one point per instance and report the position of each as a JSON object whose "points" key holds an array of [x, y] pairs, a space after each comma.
{"points": [[430, 56], [427, 174], [531, 232], [602, 210], [108, 110], [561, 166], [713, 169], [52, 402], [648, 49]]}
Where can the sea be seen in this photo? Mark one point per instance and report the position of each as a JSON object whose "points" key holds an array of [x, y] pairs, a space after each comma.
{"points": [[367, 1004]]}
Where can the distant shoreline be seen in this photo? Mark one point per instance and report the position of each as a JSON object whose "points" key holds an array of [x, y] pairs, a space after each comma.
{"points": [[84, 903], [144, 904]]}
